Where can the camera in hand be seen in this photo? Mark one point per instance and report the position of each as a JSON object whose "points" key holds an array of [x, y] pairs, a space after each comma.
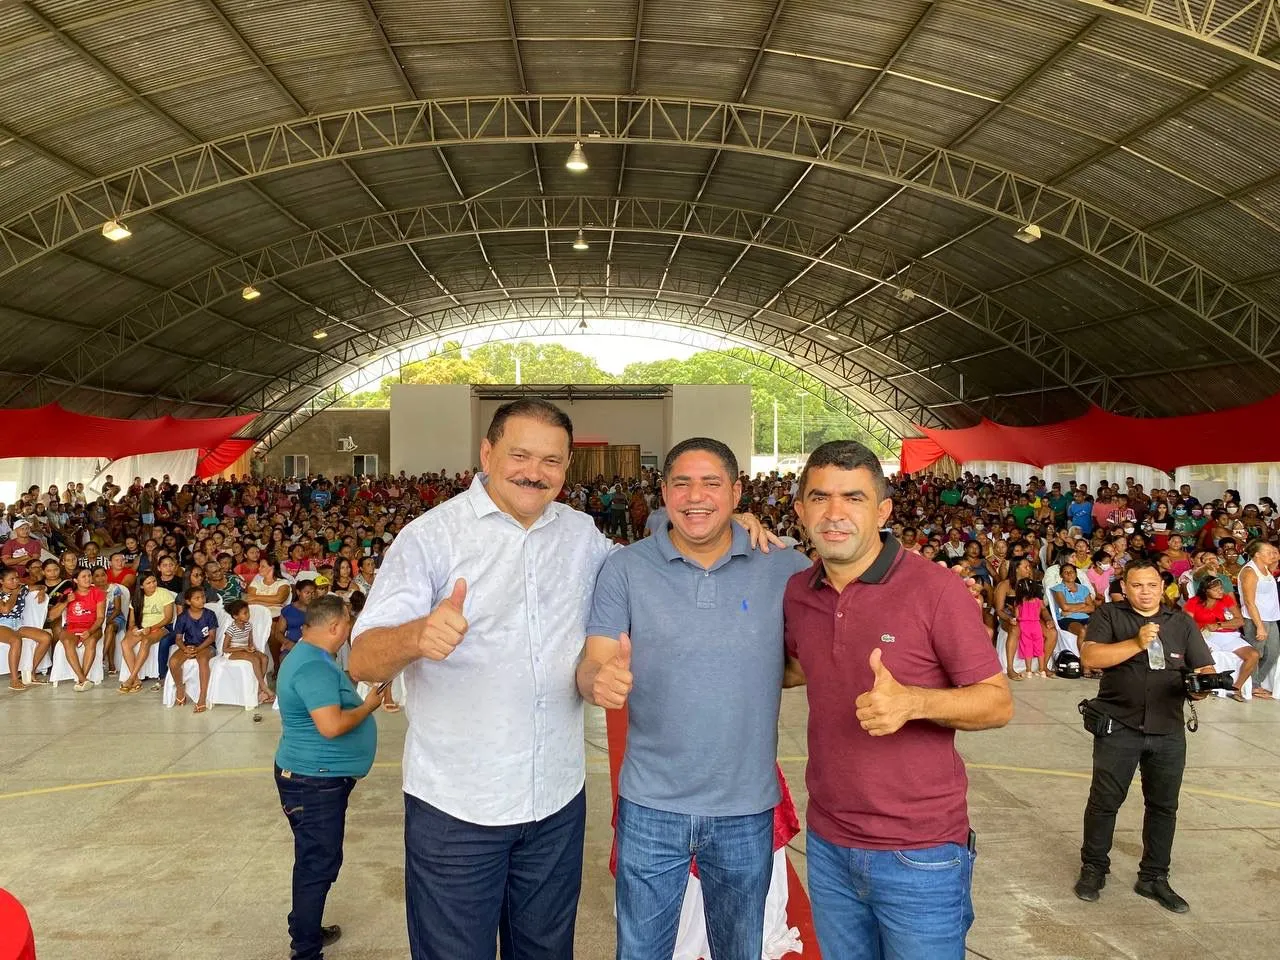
{"points": [[1196, 683]]}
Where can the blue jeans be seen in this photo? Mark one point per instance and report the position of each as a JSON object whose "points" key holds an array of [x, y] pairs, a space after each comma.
{"points": [[316, 808], [890, 904], [735, 864], [165, 645], [467, 885]]}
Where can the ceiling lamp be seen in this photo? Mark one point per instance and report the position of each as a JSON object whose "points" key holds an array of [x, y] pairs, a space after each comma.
{"points": [[577, 161], [905, 294], [250, 292], [115, 231], [581, 242], [583, 325], [832, 337], [1028, 234], [320, 334], [579, 297]]}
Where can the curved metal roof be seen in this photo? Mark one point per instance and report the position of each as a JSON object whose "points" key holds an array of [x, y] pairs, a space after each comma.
{"points": [[839, 184]]}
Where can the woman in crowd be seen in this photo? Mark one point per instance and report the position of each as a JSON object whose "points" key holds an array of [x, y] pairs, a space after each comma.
{"points": [[1179, 559], [238, 644], [1098, 576], [150, 618], [268, 588], [1218, 617], [81, 629], [368, 571], [169, 575], [14, 597], [1074, 600], [1006, 607], [343, 583], [117, 616], [196, 578]]}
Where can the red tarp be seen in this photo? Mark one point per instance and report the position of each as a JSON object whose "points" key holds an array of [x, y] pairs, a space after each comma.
{"points": [[1240, 435], [213, 462], [51, 431]]}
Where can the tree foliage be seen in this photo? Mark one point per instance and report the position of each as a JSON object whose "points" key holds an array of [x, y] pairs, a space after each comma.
{"points": [[803, 420]]}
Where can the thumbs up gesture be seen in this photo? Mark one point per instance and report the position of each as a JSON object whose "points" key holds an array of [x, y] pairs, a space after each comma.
{"points": [[445, 626], [613, 680], [884, 708]]}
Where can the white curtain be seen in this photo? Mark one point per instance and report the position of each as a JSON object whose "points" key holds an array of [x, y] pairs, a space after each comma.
{"points": [[180, 465], [43, 471]]}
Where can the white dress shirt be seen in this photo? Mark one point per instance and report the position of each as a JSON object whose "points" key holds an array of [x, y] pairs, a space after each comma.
{"points": [[495, 730]]}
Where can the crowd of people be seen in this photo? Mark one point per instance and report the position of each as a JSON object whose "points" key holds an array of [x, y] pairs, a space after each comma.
{"points": [[133, 567]]}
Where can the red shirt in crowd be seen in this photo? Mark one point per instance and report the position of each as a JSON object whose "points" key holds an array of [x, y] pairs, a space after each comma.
{"points": [[907, 790], [1204, 615], [82, 610]]}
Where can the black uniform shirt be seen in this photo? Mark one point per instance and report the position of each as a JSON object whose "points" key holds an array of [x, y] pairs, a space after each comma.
{"points": [[1131, 692]]}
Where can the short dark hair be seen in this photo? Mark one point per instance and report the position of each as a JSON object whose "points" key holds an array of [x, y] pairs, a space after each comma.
{"points": [[1254, 547], [705, 445], [847, 455], [1140, 565], [235, 606], [535, 408], [192, 592], [325, 610]]}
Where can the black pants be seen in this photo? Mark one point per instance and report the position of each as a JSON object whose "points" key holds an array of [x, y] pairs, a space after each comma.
{"points": [[467, 885], [316, 808], [1161, 758]]}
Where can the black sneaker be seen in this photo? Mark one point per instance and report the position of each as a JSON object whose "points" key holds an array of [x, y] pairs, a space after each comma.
{"points": [[1160, 891], [1092, 880], [330, 935]]}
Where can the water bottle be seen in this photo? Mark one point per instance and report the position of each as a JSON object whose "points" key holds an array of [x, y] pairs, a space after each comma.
{"points": [[1155, 655]]}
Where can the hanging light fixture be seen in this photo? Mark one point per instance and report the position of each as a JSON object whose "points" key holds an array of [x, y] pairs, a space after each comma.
{"points": [[320, 334], [1028, 234], [582, 325], [581, 242], [577, 161], [579, 297], [115, 231], [250, 292]]}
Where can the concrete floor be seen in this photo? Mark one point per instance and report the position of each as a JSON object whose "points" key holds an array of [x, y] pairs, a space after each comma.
{"points": [[137, 832]]}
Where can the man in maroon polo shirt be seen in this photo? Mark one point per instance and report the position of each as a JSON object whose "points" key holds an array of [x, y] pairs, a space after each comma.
{"points": [[896, 660]]}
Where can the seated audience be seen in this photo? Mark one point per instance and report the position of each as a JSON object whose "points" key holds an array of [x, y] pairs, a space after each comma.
{"points": [[195, 632], [238, 644]]}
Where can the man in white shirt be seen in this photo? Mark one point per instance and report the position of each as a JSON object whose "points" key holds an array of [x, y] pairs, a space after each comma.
{"points": [[483, 602]]}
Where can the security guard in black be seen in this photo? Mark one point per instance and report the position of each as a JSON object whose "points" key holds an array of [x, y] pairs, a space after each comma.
{"points": [[1147, 706]]}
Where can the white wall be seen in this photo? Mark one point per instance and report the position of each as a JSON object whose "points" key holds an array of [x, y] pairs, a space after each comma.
{"points": [[616, 421], [431, 428], [719, 411]]}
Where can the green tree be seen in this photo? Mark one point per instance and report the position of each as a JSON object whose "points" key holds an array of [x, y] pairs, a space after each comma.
{"points": [[804, 421]]}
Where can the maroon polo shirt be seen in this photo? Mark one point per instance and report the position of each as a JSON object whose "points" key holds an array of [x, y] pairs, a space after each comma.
{"points": [[907, 790]]}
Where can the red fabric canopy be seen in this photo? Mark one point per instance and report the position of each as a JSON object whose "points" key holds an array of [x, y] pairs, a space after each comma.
{"points": [[51, 431], [213, 462], [1245, 434]]}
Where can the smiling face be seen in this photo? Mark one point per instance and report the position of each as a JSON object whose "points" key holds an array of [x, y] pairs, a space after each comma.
{"points": [[700, 497], [525, 466], [843, 513]]}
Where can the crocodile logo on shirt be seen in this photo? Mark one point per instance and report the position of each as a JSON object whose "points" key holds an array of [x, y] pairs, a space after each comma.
{"points": [[887, 638]]}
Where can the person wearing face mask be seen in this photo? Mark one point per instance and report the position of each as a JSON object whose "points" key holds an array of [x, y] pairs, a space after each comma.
{"points": [[1099, 575]]}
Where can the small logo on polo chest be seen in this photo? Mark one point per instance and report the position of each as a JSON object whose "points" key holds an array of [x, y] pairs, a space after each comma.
{"points": [[887, 638]]}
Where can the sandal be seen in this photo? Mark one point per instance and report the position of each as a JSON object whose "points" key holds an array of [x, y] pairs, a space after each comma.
{"points": [[1261, 694], [265, 698], [1015, 676], [181, 702], [1237, 696], [201, 708], [158, 685], [17, 685]]}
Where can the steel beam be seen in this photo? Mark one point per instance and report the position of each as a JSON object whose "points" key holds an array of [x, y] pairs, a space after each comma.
{"points": [[848, 147], [1245, 28], [512, 215]]}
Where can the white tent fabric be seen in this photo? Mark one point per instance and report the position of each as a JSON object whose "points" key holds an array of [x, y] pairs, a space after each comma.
{"points": [[25, 472]]}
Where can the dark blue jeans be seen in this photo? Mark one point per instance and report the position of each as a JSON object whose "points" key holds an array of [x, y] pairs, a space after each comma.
{"points": [[890, 904], [468, 885], [165, 647], [316, 808], [735, 864]]}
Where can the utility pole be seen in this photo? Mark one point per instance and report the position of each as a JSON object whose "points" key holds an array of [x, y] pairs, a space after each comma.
{"points": [[775, 434]]}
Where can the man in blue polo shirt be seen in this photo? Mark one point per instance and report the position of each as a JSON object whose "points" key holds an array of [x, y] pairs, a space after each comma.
{"points": [[692, 616]]}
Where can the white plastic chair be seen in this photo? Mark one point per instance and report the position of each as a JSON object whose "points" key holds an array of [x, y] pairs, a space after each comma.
{"points": [[1066, 639], [233, 682], [191, 669], [33, 615], [61, 669]]}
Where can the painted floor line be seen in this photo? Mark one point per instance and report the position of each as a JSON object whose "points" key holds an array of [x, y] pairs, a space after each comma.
{"points": [[595, 761]]}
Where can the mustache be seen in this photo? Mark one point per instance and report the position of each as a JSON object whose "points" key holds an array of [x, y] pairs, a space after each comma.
{"points": [[530, 484]]}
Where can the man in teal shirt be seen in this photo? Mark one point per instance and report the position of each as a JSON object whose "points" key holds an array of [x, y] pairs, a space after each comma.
{"points": [[327, 742]]}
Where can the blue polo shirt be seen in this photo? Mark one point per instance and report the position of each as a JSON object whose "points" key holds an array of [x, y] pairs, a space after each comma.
{"points": [[309, 679], [707, 659], [192, 631], [1081, 515]]}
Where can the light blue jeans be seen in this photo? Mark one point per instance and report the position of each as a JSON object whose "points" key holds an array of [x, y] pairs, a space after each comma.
{"points": [[890, 904], [735, 864]]}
